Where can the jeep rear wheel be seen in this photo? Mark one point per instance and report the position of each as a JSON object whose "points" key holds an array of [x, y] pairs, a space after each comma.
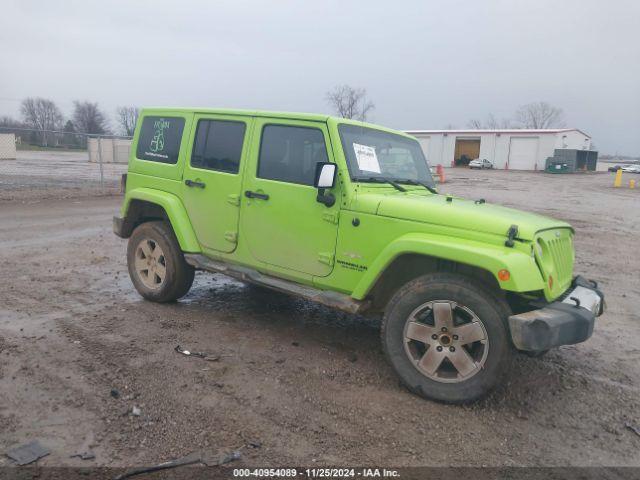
{"points": [[150, 263], [156, 264], [447, 338]]}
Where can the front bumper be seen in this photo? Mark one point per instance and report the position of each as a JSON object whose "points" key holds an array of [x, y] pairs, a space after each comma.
{"points": [[562, 322]]}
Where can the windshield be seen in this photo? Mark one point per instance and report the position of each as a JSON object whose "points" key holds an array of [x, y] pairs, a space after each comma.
{"points": [[373, 154]]}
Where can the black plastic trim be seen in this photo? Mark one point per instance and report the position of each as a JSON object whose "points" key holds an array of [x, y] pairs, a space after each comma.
{"points": [[118, 227], [555, 324]]}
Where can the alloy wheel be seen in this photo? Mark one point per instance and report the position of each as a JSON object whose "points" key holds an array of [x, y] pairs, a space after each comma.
{"points": [[150, 264], [445, 341]]}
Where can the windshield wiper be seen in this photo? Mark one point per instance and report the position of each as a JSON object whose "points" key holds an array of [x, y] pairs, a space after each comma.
{"points": [[422, 184], [393, 183]]}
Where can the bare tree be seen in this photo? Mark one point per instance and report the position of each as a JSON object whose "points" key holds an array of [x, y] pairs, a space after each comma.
{"points": [[350, 102], [127, 118], [70, 138], [492, 123], [7, 123], [41, 114], [88, 118], [540, 115]]}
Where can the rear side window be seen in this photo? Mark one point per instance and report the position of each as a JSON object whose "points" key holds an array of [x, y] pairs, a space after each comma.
{"points": [[159, 139], [289, 154], [218, 145]]}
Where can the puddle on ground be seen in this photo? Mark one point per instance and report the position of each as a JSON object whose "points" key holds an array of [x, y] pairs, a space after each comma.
{"points": [[223, 294]]}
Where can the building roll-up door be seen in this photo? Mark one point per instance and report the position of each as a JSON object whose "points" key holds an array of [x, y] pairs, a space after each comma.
{"points": [[467, 147], [523, 152]]}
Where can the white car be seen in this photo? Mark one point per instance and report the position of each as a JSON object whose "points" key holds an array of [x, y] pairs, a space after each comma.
{"points": [[631, 168], [480, 163]]}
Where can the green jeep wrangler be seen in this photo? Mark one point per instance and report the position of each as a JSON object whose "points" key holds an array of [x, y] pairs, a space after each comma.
{"points": [[347, 214]]}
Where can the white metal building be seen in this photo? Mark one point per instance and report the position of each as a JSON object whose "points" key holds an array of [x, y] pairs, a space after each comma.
{"points": [[7, 146], [508, 149], [109, 150]]}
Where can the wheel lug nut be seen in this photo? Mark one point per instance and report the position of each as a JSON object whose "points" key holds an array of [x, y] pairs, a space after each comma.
{"points": [[452, 349], [444, 329], [434, 336], [439, 348], [455, 337]]}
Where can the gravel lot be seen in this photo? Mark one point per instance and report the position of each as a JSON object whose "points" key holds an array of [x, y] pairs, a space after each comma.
{"points": [[307, 385]]}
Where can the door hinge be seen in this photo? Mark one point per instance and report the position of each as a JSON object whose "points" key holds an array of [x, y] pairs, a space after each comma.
{"points": [[234, 199], [326, 258], [231, 236], [331, 217]]}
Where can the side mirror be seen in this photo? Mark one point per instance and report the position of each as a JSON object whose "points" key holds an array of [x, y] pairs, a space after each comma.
{"points": [[325, 178], [325, 175]]}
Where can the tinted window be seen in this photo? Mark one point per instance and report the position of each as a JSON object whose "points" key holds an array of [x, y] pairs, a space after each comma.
{"points": [[218, 145], [290, 154], [159, 139]]}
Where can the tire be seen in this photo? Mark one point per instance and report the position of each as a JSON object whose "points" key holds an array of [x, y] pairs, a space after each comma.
{"points": [[169, 277], [473, 368]]}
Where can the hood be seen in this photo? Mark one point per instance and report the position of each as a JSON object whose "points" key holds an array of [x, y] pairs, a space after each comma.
{"points": [[458, 213]]}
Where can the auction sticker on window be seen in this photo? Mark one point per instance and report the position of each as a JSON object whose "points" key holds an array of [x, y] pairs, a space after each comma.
{"points": [[366, 158]]}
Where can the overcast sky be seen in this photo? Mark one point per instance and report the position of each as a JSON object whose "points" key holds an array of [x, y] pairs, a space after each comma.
{"points": [[424, 64]]}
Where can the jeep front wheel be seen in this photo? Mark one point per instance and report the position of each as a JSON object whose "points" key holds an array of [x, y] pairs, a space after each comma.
{"points": [[156, 264], [447, 338]]}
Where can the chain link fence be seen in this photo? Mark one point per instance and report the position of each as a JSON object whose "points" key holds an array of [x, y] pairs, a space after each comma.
{"points": [[53, 164]]}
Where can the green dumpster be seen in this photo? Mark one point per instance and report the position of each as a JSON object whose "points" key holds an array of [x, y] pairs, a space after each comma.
{"points": [[557, 167]]}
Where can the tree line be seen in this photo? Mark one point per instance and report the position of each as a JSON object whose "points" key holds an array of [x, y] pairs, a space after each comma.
{"points": [[43, 116], [347, 101], [534, 115]]}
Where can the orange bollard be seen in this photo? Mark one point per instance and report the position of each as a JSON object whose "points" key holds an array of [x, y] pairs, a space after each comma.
{"points": [[440, 172]]}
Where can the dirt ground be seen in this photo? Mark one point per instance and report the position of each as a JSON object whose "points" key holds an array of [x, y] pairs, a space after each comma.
{"points": [[305, 385]]}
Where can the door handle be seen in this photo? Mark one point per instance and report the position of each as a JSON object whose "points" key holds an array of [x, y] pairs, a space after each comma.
{"points": [[191, 183], [250, 194]]}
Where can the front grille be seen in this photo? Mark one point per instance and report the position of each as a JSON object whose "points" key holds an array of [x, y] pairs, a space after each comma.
{"points": [[562, 253], [556, 259]]}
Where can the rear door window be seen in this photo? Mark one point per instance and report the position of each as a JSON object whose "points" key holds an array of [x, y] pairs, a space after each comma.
{"points": [[159, 139], [218, 145]]}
